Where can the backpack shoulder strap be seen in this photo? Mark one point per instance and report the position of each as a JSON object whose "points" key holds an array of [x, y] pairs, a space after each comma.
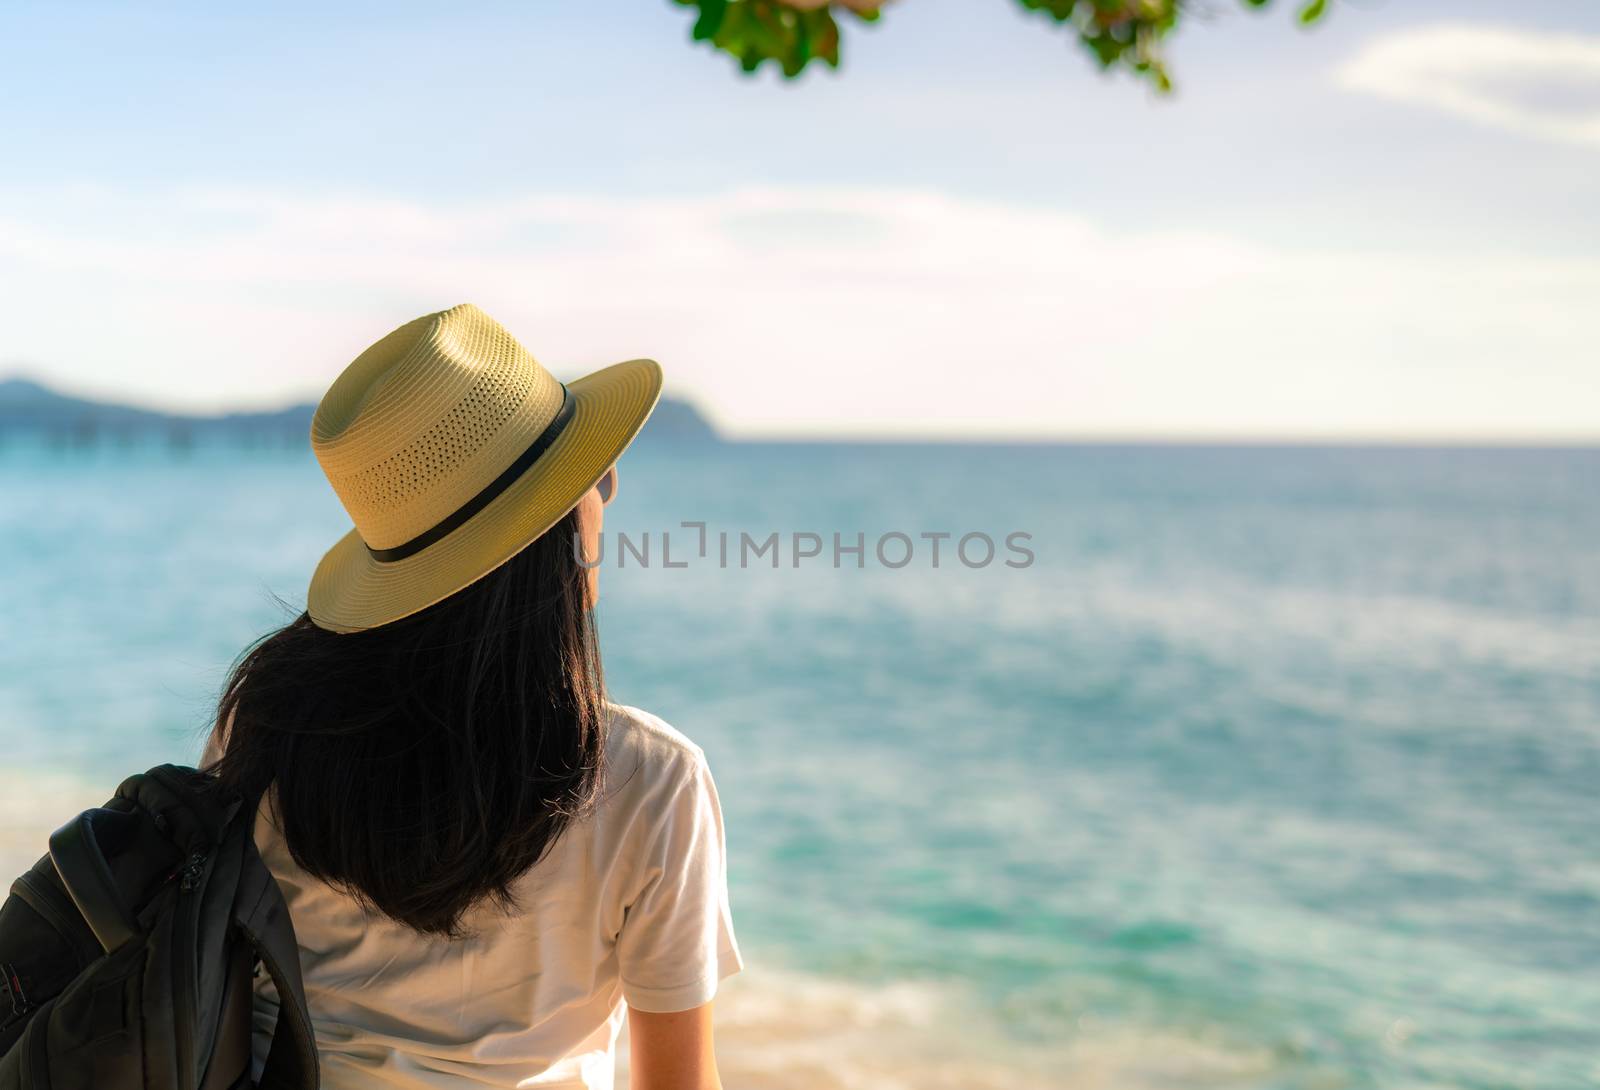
{"points": [[84, 873], [263, 920]]}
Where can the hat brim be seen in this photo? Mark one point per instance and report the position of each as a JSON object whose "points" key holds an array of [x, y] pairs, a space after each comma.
{"points": [[351, 590]]}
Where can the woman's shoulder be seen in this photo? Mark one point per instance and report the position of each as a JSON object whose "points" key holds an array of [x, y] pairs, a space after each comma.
{"points": [[638, 729], [646, 752]]}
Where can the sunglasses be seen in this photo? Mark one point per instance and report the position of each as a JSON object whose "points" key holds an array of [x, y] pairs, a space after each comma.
{"points": [[607, 486]]}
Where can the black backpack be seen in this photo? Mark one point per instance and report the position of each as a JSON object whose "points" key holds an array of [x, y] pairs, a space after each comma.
{"points": [[127, 953]]}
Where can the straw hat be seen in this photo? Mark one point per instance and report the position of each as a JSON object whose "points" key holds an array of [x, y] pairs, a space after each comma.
{"points": [[452, 449]]}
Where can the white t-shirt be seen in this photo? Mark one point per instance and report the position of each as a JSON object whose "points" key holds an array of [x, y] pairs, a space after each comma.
{"points": [[628, 908]]}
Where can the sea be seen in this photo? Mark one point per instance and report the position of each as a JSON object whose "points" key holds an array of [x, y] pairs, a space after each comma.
{"points": [[1217, 766]]}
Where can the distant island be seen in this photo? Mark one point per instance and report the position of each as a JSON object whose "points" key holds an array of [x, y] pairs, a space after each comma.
{"points": [[30, 408]]}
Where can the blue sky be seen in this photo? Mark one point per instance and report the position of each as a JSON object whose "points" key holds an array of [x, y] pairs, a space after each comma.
{"points": [[1385, 227]]}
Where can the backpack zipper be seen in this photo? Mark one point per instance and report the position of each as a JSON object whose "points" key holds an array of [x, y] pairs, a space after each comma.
{"points": [[191, 877], [192, 871], [12, 992]]}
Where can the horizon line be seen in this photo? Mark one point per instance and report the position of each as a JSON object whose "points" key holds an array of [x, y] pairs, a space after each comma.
{"points": [[897, 437]]}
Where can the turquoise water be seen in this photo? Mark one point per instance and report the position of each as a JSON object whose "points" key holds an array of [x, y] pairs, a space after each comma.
{"points": [[1276, 767]]}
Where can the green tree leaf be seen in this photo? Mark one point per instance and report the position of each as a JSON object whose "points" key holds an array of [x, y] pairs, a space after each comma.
{"points": [[1119, 34], [711, 13]]}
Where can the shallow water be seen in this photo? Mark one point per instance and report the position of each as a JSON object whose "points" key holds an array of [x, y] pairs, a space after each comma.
{"points": [[1275, 768]]}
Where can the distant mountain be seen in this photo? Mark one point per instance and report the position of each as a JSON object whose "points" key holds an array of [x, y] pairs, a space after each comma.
{"points": [[25, 403], [28, 407], [676, 421]]}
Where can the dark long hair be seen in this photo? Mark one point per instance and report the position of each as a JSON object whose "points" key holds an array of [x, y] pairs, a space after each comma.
{"points": [[422, 766]]}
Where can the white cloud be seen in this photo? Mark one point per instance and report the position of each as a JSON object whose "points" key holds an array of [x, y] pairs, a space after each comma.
{"points": [[1544, 85], [810, 310]]}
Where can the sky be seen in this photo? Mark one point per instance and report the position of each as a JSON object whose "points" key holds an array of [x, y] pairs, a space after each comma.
{"points": [[1384, 227]]}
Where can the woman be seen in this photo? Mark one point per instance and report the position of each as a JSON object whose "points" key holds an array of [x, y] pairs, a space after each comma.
{"points": [[486, 862]]}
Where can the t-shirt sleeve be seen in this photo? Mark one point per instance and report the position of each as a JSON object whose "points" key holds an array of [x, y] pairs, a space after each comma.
{"points": [[677, 942]]}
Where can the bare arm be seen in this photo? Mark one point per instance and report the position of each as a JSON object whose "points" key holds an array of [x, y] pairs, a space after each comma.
{"points": [[672, 1051]]}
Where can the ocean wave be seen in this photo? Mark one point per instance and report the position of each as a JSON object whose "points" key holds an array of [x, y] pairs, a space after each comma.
{"points": [[781, 1029]]}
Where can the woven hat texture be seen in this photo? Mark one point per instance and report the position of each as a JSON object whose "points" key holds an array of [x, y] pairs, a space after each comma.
{"points": [[420, 424]]}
